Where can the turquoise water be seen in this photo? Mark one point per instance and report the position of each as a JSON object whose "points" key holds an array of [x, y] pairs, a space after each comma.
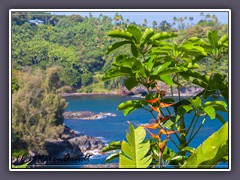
{"points": [[114, 128]]}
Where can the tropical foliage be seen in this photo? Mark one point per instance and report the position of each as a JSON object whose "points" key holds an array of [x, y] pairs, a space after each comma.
{"points": [[37, 110], [67, 54], [78, 45], [156, 57]]}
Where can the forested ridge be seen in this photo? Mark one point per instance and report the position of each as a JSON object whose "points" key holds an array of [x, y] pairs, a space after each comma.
{"points": [[73, 53], [77, 45]]}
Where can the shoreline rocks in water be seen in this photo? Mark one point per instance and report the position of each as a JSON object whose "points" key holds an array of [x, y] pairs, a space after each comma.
{"points": [[140, 91], [86, 115], [71, 141], [70, 146]]}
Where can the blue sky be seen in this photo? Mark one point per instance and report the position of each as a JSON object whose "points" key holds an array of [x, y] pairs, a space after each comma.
{"points": [[138, 17]]}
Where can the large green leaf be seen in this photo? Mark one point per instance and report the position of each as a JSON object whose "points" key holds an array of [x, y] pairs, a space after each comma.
{"points": [[120, 34], [160, 68], [115, 145], [116, 45], [130, 105], [134, 51], [163, 35], [213, 38], [135, 150], [197, 102], [117, 72], [210, 111], [136, 32], [223, 40], [211, 152], [167, 79], [217, 105], [148, 33], [130, 83]]}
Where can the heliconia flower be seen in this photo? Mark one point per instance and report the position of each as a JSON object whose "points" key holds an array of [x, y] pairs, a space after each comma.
{"points": [[165, 118], [162, 93], [157, 88], [156, 109], [155, 136], [152, 126], [162, 145], [163, 105], [164, 131], [152, 100]]}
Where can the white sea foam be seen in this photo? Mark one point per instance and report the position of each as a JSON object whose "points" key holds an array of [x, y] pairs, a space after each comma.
{"points": [[103, 139], [96, 152]]}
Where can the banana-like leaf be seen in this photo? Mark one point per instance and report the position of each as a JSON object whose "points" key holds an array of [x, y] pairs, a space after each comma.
{"points": [[163, 35], [148, 33], [223, 39], [120, 34], [129, 106], [115, 145], [135, 151], [117, 72], [136, 32], [211, 152], [213, 38], [117, 45]]}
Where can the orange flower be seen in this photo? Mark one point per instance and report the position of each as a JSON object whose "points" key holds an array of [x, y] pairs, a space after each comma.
{"points": [[162, 145], [163, 105], [152, 100], [156, 109], [152, 126], [162, 93], [163, 131], [155, 136], [157, 88], [165, 118]]}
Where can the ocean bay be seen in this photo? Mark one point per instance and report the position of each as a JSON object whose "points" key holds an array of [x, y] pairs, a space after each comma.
{"points": [[114, 128]]}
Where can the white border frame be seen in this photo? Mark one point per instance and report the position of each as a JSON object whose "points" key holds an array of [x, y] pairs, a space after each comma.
{"points": [[119, 10]]}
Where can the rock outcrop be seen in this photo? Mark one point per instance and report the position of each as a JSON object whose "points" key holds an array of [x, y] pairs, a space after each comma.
{"points": [[86, 115], [70, 146]]}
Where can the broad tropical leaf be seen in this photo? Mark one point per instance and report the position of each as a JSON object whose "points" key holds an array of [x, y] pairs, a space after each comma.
{"points": [[116, 45], [136, 32], [135, 150], [120, 34], [115, 145], [117, 72], [148, 33], [130, 105], [163, 35], [213, 38], [211, 152]]}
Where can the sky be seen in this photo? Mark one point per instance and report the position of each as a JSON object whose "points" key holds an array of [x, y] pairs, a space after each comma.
{"points": [[138, 17]]}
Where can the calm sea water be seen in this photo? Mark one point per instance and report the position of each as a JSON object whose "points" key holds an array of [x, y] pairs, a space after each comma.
{"points": [[114, 128]]}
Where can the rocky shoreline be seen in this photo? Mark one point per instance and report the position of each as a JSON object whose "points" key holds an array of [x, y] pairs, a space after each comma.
{"points": [[86, 115], [70, 147], [138, 92]]}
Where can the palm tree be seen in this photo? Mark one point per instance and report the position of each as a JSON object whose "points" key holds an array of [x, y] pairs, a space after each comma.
{"points": [[191, 19], [164, 25], [201, 14], [117, 19], [154, 24], [145, 22], [208, 16]]}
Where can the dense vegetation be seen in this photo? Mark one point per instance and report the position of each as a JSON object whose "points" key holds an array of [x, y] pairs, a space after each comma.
{"points": [[68, 54], [37, 110], [78, 44], [155, 59]]}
